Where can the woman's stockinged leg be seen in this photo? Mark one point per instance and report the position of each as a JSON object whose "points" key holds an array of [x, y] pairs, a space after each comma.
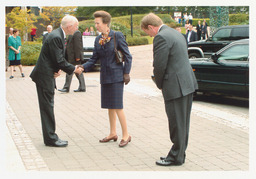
{"points": [[20, 67], [122, 119], [11, 70], [112, 122]]}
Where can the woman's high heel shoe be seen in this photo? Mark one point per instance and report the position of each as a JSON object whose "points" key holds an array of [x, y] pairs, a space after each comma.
{"points": [[124, 143], [114, 138]]}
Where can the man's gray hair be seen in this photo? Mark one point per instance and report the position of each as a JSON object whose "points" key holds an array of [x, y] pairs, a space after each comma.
{"points": [[49, 26], [68, 20]]}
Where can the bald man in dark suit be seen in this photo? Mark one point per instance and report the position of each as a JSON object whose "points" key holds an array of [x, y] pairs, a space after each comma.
{"points": [[51, 60]]}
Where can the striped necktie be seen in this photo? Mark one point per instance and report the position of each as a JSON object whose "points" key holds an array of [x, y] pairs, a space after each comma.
{"points": [[65, 43]]}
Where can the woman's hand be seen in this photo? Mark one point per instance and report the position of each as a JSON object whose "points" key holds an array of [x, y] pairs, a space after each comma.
{"points": [[126, 79]]}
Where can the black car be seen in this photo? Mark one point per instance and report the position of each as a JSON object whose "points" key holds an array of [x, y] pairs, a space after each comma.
{"points": [[88, 46], [220, 38], [225, 72]]}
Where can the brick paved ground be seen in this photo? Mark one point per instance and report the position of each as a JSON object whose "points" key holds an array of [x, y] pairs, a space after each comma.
{"points": [[80, 120]]}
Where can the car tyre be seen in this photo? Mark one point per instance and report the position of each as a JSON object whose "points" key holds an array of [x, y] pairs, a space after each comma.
{"points": [[194, 55]]}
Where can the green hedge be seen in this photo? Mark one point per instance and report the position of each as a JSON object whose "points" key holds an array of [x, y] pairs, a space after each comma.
{"points": [[137, 41], [195, 21], [238, 19], [30, 52]]}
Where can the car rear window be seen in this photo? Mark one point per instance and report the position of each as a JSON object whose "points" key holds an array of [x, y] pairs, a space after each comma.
{"points": [[222, 34], [240, 33]]}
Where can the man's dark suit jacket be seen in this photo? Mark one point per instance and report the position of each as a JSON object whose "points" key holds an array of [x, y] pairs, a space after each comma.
{"points": [[51, 59], [172, 70], [111, 72], [74, 48], [193, 36]]}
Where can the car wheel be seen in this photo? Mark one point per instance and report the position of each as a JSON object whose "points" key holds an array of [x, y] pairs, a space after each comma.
{"points": [[194, 55]]}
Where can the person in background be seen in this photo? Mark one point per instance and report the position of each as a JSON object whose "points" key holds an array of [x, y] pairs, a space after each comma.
{"points": [[74, 56], [86, 32], [175, 78], [190, 18], [14, 44], [113, 75], [198, 30], [204, 31], [10, 32], [186, 25], [185, 18], [92, 32], [179, 30], [51, 60], [191, 34], [33, 33], [49, 30], [7, 50]]}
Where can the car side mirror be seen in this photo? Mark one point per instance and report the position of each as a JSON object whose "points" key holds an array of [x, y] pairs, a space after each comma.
{"points": [[209, 39], [215, 57]]}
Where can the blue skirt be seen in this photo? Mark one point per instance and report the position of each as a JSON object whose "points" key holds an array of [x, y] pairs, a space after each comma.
{"points": [[112, 95]]}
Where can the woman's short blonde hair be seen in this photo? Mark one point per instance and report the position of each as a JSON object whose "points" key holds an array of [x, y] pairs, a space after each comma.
{"points": [[106, 17], [150, 19]]}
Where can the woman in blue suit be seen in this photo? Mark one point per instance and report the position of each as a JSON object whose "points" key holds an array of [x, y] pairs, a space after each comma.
{"points": [[112, 75]]}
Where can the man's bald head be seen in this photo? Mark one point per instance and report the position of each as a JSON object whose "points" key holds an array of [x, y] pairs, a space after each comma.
{"points": [[68, 20], [69, 24]]}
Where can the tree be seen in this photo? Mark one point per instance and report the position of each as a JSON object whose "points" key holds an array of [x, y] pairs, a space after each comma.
{"points": [[54, 14], [21, 19], [87, 12], [219, 16]]}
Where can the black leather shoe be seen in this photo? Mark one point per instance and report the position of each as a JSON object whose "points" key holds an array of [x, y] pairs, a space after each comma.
{"points": [[162, 158], [79, 90], [167, 163], [63, 90], [58, 143]]}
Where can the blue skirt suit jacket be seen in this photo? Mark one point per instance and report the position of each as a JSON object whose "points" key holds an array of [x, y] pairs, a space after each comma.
{"points": [[111, 73]]}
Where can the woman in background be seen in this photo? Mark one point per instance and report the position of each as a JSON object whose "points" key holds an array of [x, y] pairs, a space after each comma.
{"points": [[92, 32], [14, 44], [86, 32], [204, 31]]}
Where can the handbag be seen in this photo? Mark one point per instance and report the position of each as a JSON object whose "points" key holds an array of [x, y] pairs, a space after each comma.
{"points": [[119, 54]]}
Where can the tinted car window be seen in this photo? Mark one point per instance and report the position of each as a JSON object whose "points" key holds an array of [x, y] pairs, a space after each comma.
{"points": [[222, 34], [239, 33], [238, 52]]}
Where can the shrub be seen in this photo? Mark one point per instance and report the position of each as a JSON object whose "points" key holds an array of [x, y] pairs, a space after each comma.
{"points": [[30, 52], [137, 41], [195, 21], [87, 24], [238, 19]]}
